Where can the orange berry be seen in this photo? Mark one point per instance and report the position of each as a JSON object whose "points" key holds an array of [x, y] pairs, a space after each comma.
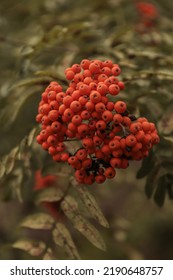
{"points": [[107, 116], [69, 75], [76, 120], [87, 143], [75, 106], [101, 125], [100, 179], [114, 89], [81, 154], [53, 115], [120, 107], [116, 70], [131, 140], [100, 107], [115, 162], [95, 96], [110, 172]]}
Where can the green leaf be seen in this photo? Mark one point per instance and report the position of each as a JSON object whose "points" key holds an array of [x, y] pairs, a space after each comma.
{"points": [[91, 204], [165, 125], [169, 187], [62, 238], [54, 75], [160, 192], [55, 169], [2, 168], [32, 82], [70, 208], [34, 248], [168, 138], [38, 221], [147, 166], [49, 194], [168, 166]]}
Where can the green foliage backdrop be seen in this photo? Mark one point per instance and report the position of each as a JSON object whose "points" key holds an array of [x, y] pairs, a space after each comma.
{"points": [[38, 40]]}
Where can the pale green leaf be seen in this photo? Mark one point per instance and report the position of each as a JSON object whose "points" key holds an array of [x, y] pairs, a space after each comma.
{"points": [[165, 125], [2, 168], [62, 238], [91, 204], [168, 138], [32, 82], [31, 136], [49, 194], [70, 208], [10, 160]]}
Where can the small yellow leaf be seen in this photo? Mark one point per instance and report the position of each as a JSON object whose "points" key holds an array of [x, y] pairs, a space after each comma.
{"points": [[34, 248], [38, 221]]}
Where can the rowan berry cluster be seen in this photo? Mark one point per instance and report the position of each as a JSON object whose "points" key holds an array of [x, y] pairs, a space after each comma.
{"points": [[148, 15], [89, 113], [43, 182]]}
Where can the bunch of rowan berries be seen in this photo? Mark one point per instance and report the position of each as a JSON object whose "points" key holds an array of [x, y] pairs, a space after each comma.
{"points": [[89, 113], [148, 15]]}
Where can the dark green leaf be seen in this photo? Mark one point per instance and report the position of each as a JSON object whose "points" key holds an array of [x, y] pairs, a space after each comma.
{"points": [[170, 189], [160, 192], [147, 166], [151, 182]]}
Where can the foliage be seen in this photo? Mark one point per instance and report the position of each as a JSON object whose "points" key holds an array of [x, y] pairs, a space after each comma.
{"points": [[38, 41]]}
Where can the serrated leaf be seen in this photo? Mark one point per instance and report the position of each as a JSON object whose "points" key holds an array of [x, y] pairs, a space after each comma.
{"points": [[147, 165], [70, 208], [62, 238], [49, 194], [38, 221], [91, 204], [160, 193], [10, 160], [34, 248]]}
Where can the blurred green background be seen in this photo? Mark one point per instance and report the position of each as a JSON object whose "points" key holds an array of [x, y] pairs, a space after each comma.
{"points": [[38, 40]]}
